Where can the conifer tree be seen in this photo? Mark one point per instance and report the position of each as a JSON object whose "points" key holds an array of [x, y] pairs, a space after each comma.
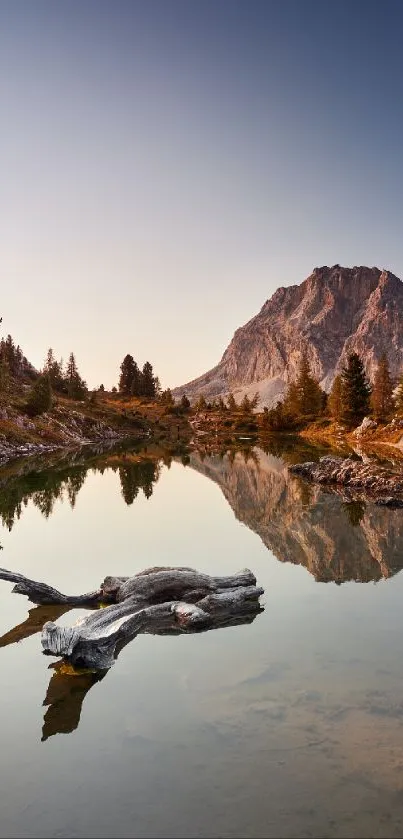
{"points": [[5, 378], [309, 392], [128, 370], [201, 404], [232, 406], [53, 369], [245, 405], [40, 396], [167, 398], [356, 391], [76, 387], [381, 397], [291, 404], [147, 380], [254, 401], [184, 403], [335, 401]]}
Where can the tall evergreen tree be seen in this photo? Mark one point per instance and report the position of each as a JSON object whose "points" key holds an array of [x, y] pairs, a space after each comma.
{"points": [[304, 397], [148, 381], [335, 401], [75, 386], [356, 391], [309, 392], [5, 378], [54, 370], [128, 375], [232, 406], [381, 397], [245, 405]]}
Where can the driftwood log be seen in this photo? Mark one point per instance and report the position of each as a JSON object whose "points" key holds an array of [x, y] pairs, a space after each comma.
{"points": [[156, 600]]}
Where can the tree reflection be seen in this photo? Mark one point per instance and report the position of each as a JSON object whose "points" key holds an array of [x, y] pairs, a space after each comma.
{"points": [[47, 486]]}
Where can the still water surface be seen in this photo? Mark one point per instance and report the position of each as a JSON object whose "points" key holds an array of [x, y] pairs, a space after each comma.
{"points": [[291, 726]]}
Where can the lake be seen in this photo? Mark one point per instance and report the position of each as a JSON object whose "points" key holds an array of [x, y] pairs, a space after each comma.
{"points": [[290, 726]]}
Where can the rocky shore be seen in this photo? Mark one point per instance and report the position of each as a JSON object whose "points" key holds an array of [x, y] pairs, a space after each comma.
{"points": [[21, 437], [381, 485]]}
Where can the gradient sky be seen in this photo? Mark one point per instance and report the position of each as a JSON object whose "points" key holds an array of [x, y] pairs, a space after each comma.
{"points": [[167, 164]]}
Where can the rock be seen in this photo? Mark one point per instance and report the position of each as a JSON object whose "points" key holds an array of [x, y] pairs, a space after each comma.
{"points": [[334, 312], [382, 485], [367, 424]]}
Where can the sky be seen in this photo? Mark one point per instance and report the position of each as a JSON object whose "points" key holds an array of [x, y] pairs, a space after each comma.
{"points": [[166, 165]]}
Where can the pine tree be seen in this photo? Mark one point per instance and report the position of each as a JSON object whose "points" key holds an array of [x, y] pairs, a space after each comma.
{"points": [[166, 397], [309, 392], [232, 406], [128, 370], [335, 402], [245, 405], [381, 397], [40, 396], [49, 361], [75, 386], [201, 404], [148, 381], [5, 378], [54, 370], [184, 403], [291, 404], [356, 391], [254, 401]]}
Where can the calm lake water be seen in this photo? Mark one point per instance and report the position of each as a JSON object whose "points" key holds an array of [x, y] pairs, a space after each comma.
{"points": [[291, 726]]}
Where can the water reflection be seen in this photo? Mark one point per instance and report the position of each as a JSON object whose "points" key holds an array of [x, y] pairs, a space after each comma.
{"points": [[69, 686], [335, 536], [45, 483], [64, 699]]}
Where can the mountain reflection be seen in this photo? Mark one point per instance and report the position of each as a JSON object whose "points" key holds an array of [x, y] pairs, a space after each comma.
{"points": [[336, 537]]}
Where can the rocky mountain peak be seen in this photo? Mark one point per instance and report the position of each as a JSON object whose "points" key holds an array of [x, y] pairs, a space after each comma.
{"points": [[333, 312]]}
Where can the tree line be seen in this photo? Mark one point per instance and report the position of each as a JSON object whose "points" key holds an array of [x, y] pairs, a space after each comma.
{"points": [[352, 397]]}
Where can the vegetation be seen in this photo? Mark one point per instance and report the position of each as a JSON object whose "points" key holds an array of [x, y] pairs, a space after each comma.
{"points": [[381, 397], [355, 392], [139, 406], [40, 396], [136, 382]]}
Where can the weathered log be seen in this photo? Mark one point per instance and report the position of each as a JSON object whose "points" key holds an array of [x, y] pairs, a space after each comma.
{"points": [[156, 600], [45, 595]]}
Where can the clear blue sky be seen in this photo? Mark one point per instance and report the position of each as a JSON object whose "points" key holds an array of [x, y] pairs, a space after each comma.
{"points": [[167, 164]]}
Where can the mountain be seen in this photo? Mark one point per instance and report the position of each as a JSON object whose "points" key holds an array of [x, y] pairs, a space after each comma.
{"points": [[334, 539], [333, 312]]}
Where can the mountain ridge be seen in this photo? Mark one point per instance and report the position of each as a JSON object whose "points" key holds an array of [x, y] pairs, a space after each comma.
{"points": [[333, 312]]}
